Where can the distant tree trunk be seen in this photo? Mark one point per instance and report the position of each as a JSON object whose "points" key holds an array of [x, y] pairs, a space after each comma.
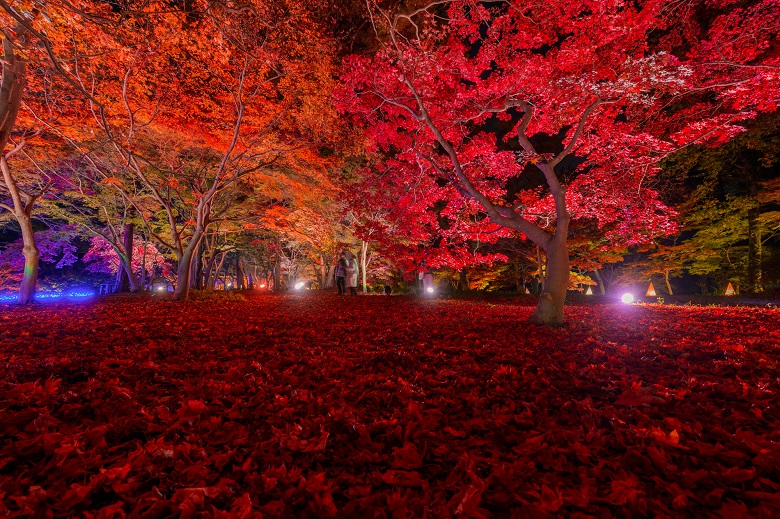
{"points": [[277, 274], [239, 272], [208, 272], [143, 267], [364, 262], [463, 281], [602, 286], [197, 269], [755, 274], [668, 284], [217, 271], [324, 270]]}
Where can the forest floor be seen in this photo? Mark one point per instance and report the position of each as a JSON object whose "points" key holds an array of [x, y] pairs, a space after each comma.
{"points": [[324, 406]]}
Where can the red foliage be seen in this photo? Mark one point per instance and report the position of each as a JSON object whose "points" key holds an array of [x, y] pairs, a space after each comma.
{"points": [[396, 407]]}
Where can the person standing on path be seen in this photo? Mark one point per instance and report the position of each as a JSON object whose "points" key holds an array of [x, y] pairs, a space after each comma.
{"points": [[352, 274], [340, 274]]}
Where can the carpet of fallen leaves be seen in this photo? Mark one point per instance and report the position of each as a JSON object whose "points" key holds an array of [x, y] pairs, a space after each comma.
{"points": [[313, 405]]}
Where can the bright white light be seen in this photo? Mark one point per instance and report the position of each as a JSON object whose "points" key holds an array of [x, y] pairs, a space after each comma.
{"points": [[262, 285], [627, 298], [430, 290], [161, 288], [299, 285]]}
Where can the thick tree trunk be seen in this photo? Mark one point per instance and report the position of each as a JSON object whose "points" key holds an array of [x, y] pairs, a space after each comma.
{"points": [[127, 276], [126, 281], [182, 290], [30, 251], [463, 281], [556, 281], [668, 284]]}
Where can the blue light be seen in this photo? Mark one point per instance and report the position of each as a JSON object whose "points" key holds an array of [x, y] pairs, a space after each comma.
{"points": [[45, 295], [81, 294], [49, 296]]}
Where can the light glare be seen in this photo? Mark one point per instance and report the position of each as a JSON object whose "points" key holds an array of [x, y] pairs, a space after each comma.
{"points": [[627, 298]]}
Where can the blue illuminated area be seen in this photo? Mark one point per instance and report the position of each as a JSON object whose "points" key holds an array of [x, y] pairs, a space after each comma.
{"points": [[72, 295]]}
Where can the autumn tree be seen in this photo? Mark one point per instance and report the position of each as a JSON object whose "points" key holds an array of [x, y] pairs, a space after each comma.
{"points": [[622, 84]]}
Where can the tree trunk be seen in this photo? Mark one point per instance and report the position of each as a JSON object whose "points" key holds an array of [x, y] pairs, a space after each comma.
{"points": [[364, 262], [126, 281], [668, 284], [197, 269], [239, 272], [277, 274], [602, 286], [463, 281], [218, 269], [323, 281], [30, 251], [127, 275], [143, 267], [183, 271], [12, 88], [755, 274], [556, 281]]}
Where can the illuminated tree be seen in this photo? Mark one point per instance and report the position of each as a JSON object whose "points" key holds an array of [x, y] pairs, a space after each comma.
{"points": [[463, 96]]}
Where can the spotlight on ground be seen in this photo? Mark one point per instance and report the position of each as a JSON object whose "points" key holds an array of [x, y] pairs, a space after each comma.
{"points": [[627, 298]]}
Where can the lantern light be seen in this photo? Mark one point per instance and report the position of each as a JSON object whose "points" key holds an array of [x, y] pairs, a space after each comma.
{"points": [[730, 290], [651, 291], [589, 291]]}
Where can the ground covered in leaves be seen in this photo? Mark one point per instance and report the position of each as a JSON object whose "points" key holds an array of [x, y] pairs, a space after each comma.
{"points": [[313, 405]]}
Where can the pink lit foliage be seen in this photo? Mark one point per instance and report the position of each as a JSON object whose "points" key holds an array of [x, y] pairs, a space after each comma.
{"points": [[54, 247], [102, 259]]}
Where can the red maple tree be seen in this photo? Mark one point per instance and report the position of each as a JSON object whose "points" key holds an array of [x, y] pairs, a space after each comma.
{"points": [[482, 107]]}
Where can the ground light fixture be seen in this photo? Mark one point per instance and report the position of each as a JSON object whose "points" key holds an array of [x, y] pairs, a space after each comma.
{"points": [[299, 285], [430, 290], [627, 298]]}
